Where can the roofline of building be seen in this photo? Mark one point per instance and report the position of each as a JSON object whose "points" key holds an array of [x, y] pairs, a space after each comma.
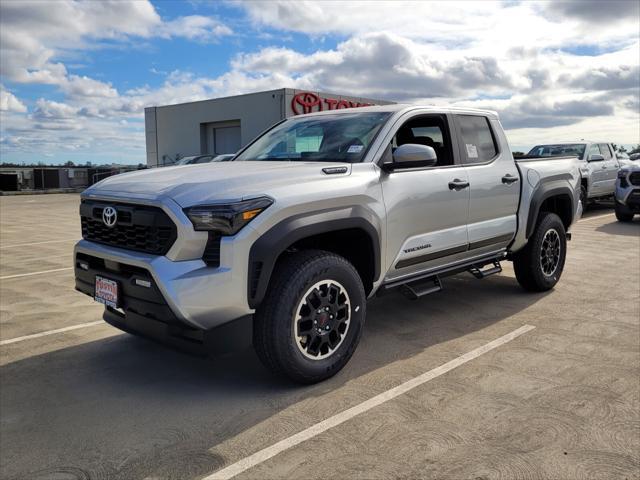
{"points": [[284, 90]]}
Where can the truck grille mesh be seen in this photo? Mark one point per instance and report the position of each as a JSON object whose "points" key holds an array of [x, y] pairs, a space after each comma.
{"points": [[138, 227]]}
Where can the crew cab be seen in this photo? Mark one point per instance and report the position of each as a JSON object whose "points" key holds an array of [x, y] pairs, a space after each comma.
{"points": [[599, 165], [314, 217]]}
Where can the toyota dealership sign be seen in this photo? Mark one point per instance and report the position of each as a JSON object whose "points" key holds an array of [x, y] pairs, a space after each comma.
{"points": [[308, 102]]}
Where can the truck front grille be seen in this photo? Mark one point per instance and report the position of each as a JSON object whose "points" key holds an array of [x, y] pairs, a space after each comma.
{"points": [[634, 178], [138, 227]]}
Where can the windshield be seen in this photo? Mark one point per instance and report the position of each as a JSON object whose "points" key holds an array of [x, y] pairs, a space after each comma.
{"points": [[558, 150], [323, 138]]}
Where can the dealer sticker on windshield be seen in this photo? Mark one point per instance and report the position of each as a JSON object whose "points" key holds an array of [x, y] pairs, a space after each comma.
{"points": [[106, 291], [355, 148], [472, 151]]}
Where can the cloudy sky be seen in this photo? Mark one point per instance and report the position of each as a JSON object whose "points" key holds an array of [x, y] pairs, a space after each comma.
{"points": [[75, 76]]}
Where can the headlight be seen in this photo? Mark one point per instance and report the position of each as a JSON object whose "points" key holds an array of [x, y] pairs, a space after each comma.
{"points": [[229, 218]]}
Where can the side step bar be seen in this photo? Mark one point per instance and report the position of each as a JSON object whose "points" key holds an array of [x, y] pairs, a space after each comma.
{"points": [[420, 288], [480, 274], [425, 285]]}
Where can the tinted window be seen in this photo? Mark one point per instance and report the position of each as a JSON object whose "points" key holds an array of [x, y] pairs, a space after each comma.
{"points": [[477, 139], [594, 150], [558, 150], [605, 151], [430, 131]]}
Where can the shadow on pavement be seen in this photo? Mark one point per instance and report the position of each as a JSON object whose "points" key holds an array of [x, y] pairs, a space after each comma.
{"points": [[124, 407], [622, 228]]}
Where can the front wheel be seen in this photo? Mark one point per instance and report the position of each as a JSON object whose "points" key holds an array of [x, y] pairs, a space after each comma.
{"points": [[539, 264], [311, 319]]}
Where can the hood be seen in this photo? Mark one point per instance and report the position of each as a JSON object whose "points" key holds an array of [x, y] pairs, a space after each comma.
{"points": [[629, 165], [210, 182]]}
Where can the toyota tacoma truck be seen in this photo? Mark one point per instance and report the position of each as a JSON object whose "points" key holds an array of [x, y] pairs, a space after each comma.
{"points": [[627, 194], [315, 216], [599, 166]]}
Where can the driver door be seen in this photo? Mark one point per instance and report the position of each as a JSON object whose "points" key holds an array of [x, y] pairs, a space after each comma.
{"points": [[597, 172], [426, 214]]}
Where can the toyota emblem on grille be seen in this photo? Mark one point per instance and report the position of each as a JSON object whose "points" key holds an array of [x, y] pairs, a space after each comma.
{"points": [[109, 216]]}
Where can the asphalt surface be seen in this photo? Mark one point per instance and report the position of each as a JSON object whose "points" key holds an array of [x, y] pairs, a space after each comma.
{"points": [[561, 401]]}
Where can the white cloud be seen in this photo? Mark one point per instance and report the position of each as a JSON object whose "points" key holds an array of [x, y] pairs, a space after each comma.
{"points": [[515, 58], [196, 27], [34, 34], [9, 102]]}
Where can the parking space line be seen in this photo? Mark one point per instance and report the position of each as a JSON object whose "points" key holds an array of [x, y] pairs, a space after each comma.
{"points": [[7, 277], [279, 447], [37, 243], [50, 332], [595, 218]]}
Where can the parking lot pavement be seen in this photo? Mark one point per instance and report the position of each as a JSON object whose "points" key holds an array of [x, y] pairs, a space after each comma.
{"points": [[559, 401]]}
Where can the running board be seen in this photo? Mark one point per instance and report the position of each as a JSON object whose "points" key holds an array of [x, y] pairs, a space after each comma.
{"points": [[480, 274], [421, 288]]}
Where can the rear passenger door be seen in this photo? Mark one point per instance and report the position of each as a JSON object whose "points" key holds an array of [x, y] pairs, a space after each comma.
{"points": [[494, 183]]}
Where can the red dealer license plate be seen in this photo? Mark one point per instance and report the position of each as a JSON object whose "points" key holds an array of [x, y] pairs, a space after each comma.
{"points": [[106, 291]]}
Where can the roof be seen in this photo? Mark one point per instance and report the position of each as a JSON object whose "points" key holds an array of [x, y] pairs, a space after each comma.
{"points": [[404, 107], [573, 142]]}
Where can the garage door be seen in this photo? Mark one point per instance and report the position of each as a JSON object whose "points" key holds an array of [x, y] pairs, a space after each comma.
{"points": [[226, 140]]}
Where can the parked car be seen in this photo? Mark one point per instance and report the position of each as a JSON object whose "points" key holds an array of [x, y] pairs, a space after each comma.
{"points": [[194, 159], [628, 192], [598, 165], [315, 216], [634, 156], [225, 157]]}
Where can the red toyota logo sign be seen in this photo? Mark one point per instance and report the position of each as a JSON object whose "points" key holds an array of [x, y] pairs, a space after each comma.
{"points": [[307, 102]]}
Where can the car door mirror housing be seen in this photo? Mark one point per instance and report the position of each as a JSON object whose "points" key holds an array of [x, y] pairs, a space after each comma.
{"points": [[596, 157], [411, 155]]}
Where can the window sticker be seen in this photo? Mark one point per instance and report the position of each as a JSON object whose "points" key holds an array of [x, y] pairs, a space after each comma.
{"points": [[355, 148], [472, 151]]}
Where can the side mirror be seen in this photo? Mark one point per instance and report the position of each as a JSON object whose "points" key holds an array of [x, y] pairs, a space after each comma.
{"points": [[596, 157], [412, 155]]}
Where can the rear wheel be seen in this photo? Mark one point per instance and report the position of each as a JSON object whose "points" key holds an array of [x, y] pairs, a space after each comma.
{"points": [[311, 319], [539, 265], [621, 215]]}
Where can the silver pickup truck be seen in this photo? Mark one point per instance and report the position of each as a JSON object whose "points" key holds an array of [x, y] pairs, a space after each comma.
{"points": [[599, 165], [315, 216]]}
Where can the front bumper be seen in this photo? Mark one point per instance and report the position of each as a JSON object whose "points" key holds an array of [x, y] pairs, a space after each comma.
{"points": [[629, 198], [187, 293]]}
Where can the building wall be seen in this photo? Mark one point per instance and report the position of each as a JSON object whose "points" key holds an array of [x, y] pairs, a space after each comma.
{"points": [[182, 129]]}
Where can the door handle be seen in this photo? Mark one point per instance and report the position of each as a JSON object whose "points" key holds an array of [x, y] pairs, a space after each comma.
{"points": [[458, 184], [603, 167], [509, 179]]}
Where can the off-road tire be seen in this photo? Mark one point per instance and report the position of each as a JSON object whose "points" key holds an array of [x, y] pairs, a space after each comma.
{"points": [[621, 215], [273, 324], [527, 262]]}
